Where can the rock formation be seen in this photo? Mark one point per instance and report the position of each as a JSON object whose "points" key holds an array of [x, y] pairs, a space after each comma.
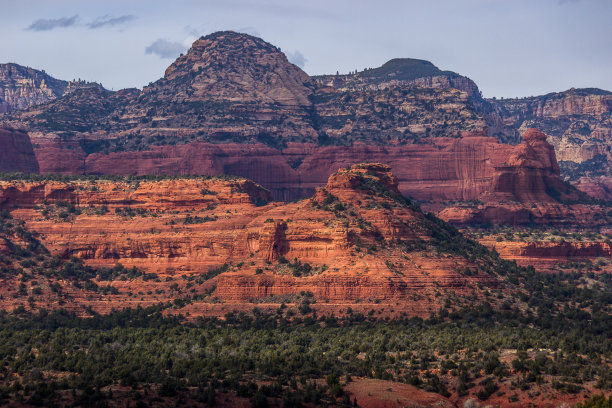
{"points": [[234, 104], [22, 87], [531, 173], [598, 187], [551, 255], [16, 154], [473, 168], [578, 123], [357, 239]]}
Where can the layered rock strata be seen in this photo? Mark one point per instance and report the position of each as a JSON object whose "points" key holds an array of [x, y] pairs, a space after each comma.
{"points": [[16, 153], [356, 240]]}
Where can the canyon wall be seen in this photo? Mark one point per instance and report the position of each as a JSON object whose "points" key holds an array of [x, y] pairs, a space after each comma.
{"points": [[438, 169], [16, 153], [551, 255], [578, 123], [356, 239], [234, 104], [22, 87], [472, 168]]}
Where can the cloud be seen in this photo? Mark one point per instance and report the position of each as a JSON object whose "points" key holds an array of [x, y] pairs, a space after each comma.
{"points": [[562, 2], [110, 21], [47, 24], [193, 31], [165, 49], [297, 58]]}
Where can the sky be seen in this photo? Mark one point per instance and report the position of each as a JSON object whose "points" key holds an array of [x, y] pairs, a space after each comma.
{"points": [[510, 48]]}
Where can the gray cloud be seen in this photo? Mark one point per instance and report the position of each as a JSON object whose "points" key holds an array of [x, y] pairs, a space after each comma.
{"points": [[165, 49], [47, 24], [110, 21], [562, 2], [193, 31], [297, 58]]}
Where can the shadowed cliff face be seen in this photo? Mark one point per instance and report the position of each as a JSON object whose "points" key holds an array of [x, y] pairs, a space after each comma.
{"points": [[16, 154], [438, 170]]}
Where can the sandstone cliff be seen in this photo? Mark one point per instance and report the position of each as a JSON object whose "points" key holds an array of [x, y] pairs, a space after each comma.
{"points": [[599, 187], [578, 123], [474, 168], [531, 173], [526, 188], [16, 154], [356, 240], [444, 168], [234, 96], [553, 256]]}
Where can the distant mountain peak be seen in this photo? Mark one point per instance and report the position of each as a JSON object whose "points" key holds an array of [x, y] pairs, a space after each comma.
{"points": [[22, 87], [232, 66], [405, 69], [230, 35], [227, 51]]}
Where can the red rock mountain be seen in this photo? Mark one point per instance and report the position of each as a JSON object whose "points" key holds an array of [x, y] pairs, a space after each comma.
{"points": [[357, 240], [234, 105], [578, 123], [439, 170]]}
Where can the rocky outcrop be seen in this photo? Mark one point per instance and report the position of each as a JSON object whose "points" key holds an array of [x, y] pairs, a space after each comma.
{"points": [[228, 87], [163, 226], [578, 123], [234, 104], [16, 154], [348, 233], [597, 187], [531, 173], [526, 188], [525, 214], [161, 195], [22, 87], [407, 72], [475, 168], [257, 71], [550, 255], [357, 239]]}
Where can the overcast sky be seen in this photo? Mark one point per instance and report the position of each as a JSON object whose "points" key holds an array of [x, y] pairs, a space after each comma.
{"points": [[509, 47]]}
